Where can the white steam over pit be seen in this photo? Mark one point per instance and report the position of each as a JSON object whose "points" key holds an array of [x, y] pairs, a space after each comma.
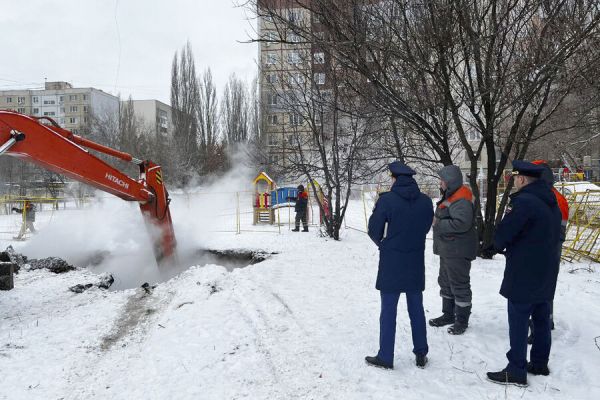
{"points": [[111, 235]]}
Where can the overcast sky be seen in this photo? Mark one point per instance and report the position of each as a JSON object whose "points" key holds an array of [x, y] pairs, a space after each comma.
{"points": [[121, 46]]}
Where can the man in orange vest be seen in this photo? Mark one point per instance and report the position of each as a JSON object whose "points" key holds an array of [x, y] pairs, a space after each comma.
{"points": [[455, 240], [563, 204]]}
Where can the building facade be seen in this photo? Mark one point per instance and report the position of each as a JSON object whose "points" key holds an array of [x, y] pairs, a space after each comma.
{"points": [[156, 115], [287, 65], [70, 107]]}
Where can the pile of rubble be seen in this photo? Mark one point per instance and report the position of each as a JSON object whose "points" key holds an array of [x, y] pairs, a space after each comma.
{"points": [[52, 264], [12, 262]]}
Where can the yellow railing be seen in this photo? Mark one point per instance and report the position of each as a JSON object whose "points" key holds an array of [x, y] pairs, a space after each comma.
{"points": [[583, 229]]}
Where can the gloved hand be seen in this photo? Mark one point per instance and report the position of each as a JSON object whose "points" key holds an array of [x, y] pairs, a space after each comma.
{"points": [[490, 251], [15, 209]]}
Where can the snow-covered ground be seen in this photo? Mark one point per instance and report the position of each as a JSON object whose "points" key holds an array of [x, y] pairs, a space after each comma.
{"points": [[296, 326]]}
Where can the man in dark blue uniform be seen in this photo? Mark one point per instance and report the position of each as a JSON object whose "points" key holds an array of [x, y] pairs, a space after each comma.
{"points": [[529, 233], [400, 222]]}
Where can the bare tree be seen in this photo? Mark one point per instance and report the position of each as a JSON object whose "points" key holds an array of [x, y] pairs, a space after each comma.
{"points": [[211, 156], [235, 112], [185, 97], [442, 70]]}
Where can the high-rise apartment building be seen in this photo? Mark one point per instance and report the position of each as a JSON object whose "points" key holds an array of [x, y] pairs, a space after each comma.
{"points": [[287, 63], [70, 107]]}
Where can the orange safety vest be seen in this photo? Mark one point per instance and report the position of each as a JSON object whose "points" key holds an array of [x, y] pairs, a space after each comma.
{"points": [[463, 193], [563, 204]]}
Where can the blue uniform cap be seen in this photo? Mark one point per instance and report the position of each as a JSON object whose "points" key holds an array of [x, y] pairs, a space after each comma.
{"points": [[521, 167], [397, 168]]}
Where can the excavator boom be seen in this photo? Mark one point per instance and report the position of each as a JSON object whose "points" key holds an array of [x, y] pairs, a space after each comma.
{"points": [[60, 151]]}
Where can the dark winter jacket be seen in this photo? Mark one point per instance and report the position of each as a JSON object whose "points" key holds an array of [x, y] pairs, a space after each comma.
{"points": [[530, 232], [400, 221], [455, 232], [301, 202], [29, 214]]}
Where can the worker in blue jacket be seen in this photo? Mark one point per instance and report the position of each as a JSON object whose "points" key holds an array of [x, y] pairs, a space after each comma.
{"points": [[529, 235], [400, 222]]}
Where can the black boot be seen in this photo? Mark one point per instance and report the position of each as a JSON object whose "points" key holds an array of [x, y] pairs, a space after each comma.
{"points": [[305, 229], [421, 361], [506, 378], [447, 317], [461, 320], [538, 369], [376, 362], [296, 229]]}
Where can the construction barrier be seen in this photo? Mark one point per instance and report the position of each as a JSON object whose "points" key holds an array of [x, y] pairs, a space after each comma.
{"points": [[583, 229], [13, 225]]}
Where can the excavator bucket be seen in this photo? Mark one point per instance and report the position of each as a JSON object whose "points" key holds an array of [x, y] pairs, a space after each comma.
{"points": [[157, 213]]}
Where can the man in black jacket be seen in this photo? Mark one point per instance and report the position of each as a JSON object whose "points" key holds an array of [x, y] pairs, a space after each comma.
{"points": [[300, 208], [530, 232]]}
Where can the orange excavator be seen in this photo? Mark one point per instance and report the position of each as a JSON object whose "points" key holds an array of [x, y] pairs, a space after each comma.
{"points": [[59, 150]]}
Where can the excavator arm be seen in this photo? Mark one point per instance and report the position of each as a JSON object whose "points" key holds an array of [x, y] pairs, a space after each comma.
{"points": [[59, 150]]}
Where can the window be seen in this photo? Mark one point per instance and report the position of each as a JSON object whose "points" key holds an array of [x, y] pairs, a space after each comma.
{"points": [[61, 99], [294, 58], [272, 99], [36, 111], [296, 78], [294, 16], [49, 113], [85, 97], [320, 78], [73, 109], [85, 108], [272, 119], [36, 99], [9, 99], [319, 58], [271, 59], [21, 110], [270, 38], [294, 38], [49, 102], [85, 120], [73, 97], [296, 119], [273, 141], [271, 78], [474, 135], [72, 120], [21, 100]]}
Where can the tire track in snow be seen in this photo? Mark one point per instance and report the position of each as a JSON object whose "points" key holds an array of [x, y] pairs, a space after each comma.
{"points": [[293, 357], [130, 327]]}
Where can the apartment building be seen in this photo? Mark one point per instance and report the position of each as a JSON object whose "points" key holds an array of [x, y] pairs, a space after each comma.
{"points": [[287, 64], [70, 107], [156, 115]]}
